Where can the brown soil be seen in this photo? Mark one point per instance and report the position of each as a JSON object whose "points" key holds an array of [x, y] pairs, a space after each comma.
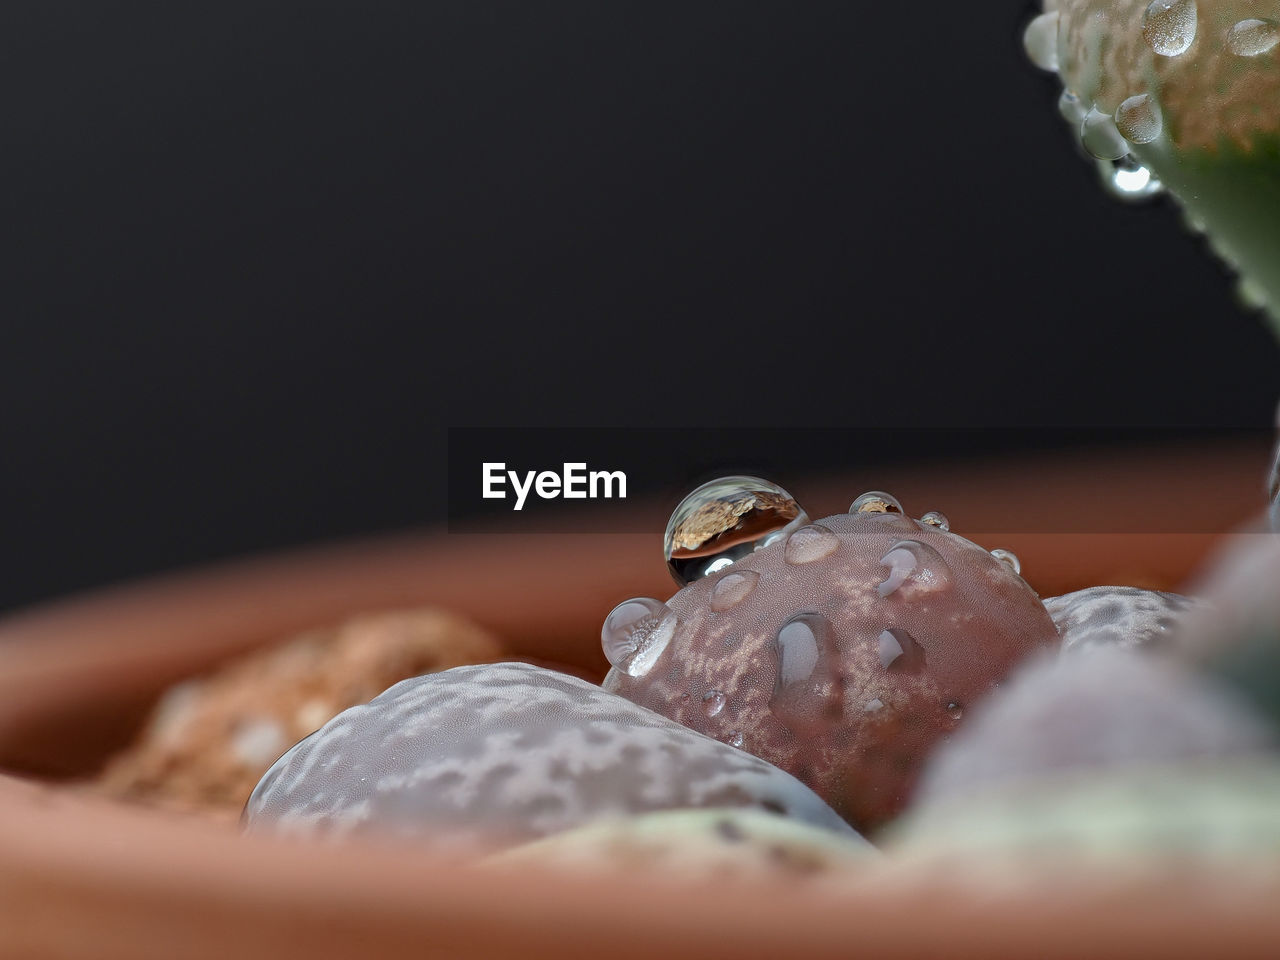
{"points": [[210, 738]]}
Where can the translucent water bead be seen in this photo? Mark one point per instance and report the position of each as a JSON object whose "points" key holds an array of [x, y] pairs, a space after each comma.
{"points": [[725, 520]]}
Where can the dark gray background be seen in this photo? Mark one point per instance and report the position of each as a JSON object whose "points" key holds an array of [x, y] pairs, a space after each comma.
{"points": [[259, 255]]}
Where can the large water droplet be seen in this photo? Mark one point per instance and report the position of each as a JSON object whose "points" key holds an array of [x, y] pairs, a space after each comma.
{"points": [[635, 633], [876, 501], [1098, 135], [731, 589], [899, 651], [797, 652], [1138, 119], [911, 560], [1072, 108], [1040, 40], [810, 544], [723, 521], [1169, 26], [1009, 559], [935, 518], [1250, 38], [1128, 180], [713, 702]]}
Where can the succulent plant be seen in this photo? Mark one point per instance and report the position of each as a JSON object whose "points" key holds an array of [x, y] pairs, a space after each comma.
{"points": [[1186, 92], [505, 753], [1109, 754], [1217, 812], [1122, 617], [840, 650], [1237, 639], [1102, 710], [734, 842]]}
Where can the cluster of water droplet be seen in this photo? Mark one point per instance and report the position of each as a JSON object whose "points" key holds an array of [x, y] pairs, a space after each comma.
{"points": [[1169, 29], [1106, 137]]}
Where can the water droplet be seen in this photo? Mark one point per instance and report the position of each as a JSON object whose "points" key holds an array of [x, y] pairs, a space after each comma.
{"points": [[1128, 180], [735, 739], [723, 521], [810, 544], [1040, 40], [1249, 38], [635, 633], [876, 501], [713, 702], [1169, 26], [808, 694], [935, 518], [914, 561], [1138, 119], [1072, 108], [899, 651], [1098, 135], [1009, 558], [955, 711], [731, 589], [797, 652], [901, 563], [874, 705]]}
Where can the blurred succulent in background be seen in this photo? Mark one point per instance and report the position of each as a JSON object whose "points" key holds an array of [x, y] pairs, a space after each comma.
{"points": [[1183, 95]]}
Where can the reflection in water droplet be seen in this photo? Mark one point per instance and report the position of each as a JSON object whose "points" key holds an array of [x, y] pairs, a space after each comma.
{"points": [[937, 519], [797, 652], [955, 711], [901, 563], [810, 544], [1250, 38], [1072, 108], [635, 633], [732, 589], [1128, 180], [915, 561], [874, 705], [713, 702], [876, 501], [1138, 119], [723, 521], [1098, 135], [899, 651], [1009, 558], [735, 740], [1169, 26], [1040, 40], [890, 648]]}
